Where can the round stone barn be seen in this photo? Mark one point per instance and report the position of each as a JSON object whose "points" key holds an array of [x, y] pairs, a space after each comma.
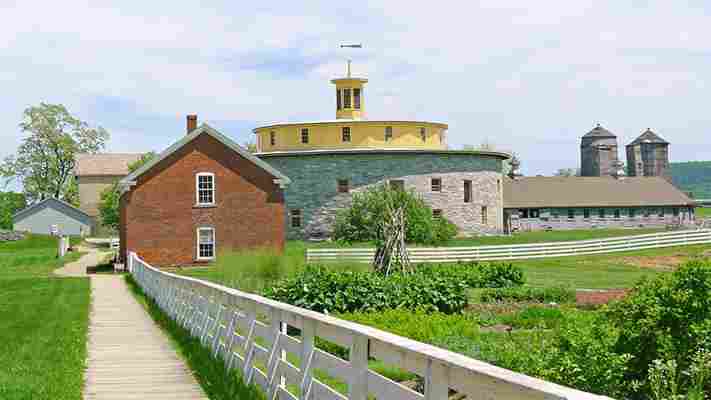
{"points": [[328, 161]]}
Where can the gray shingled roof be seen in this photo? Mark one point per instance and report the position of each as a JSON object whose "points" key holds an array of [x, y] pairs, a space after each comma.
{"points": [[544, 192], [107, 164], [648, 137], [599, 131], [207, 130]]}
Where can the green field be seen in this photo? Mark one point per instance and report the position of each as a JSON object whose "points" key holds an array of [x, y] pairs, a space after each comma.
{"points": [[703, 212], [519, 238], [43, 323]]}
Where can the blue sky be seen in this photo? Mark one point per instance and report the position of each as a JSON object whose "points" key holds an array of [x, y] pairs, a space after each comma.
{"points": [[528, 77]]}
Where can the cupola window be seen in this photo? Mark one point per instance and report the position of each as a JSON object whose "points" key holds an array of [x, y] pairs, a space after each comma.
{"points": [[338, 99], [423, 134], [388, 133], [356, 98], [305, 135], [272, 138], [346, 98]]}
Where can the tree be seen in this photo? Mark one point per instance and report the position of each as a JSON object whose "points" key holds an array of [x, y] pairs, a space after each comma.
{"points": [[567, 172], [109, 201], [44, 163], [10, 203], [250, 146]]}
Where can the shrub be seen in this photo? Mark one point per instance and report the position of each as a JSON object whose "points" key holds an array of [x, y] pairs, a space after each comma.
{"points": [[475, 274], [361, 221], [534, 317], [320, 289], [528, 294], [668, 318]]}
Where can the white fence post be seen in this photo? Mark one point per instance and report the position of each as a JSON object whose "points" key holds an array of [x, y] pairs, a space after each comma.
{"points": [[358, 385]]}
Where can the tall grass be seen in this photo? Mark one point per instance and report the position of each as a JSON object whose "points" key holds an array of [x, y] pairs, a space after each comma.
{"points": [[254, 270]]}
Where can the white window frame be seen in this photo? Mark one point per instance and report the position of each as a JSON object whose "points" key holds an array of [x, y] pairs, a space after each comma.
{"points": [[214, 243], [197, 189]]}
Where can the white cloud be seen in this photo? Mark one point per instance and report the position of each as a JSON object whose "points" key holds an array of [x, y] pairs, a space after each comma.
{"points": [[525, 76]]}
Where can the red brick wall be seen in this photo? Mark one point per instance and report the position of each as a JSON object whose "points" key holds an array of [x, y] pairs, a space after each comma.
{"points": [[159, 219]]}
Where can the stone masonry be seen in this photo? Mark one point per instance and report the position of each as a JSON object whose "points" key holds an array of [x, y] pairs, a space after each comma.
{"points": [[314, 187]]}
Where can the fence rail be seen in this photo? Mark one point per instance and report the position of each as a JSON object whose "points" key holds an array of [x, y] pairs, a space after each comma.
{"points": [[257, 336], [523, 251]]}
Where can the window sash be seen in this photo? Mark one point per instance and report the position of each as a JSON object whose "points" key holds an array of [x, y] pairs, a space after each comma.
{"points": [[205, 243], [388, 133], [338, 99], [305, 135], [295, 218], [272, 138], [356, 98], [346, 98], [467, 191], [423, 134], [205, 188], [484, 215], [346, 134], [436, 184]]}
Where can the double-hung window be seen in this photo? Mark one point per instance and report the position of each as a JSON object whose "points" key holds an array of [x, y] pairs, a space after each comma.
{"points": [[305, 135], [272, 138], [205, 188], [388, 133], [206, 243], [436, 184], [346, 134], [356, 98]]}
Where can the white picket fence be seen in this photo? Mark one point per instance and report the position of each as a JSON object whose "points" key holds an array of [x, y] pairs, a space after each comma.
{"points": [[522, 251], [249, 332]]}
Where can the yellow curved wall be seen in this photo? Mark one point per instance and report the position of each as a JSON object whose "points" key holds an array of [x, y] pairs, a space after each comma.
{"points": [[363, 134]]}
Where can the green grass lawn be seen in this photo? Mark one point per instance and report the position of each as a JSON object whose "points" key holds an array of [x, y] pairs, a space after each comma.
{"points": [[703, 212], [606, 271], [519, 238], [43, 323], [34, 256], [43, 327]]}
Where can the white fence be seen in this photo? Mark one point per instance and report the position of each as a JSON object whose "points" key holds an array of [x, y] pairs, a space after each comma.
{"points": [[62, 246], [523, 251], [250, 333]]}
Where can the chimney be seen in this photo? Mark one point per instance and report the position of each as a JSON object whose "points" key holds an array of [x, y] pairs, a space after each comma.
{"points": [[192, 122]]}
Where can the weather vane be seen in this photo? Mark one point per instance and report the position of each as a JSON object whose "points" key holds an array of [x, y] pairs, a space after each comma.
{"points": [[351, 46]]}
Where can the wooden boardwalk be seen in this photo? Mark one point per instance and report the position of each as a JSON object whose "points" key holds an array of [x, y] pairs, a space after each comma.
{"points": [[129, 357]]}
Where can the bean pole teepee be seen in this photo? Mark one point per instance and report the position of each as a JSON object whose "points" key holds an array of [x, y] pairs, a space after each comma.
{"points": [[391, 251]]}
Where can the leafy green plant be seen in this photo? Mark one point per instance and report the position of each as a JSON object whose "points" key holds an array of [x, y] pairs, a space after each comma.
{"points": [[527, 294], [361, 221], [475, 274], [321, 289], [533, 317], [668, 318]]}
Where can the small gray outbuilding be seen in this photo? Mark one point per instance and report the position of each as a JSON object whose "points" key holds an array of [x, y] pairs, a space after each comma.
{"points": [[52, 216]]}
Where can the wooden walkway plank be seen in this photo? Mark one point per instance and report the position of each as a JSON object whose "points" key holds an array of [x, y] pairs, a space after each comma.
{"points": [[129, 357]]}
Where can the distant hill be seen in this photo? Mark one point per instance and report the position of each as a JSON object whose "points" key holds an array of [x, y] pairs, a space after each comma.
{"points": [[693, 176]]}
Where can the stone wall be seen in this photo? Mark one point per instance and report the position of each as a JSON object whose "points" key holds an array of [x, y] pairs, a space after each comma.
{"points": [[314, 187]]}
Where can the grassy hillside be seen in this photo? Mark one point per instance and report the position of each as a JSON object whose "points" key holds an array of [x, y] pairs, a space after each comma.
{"points": [[693, 176]]}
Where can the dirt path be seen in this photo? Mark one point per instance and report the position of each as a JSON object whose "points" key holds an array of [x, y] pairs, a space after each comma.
{"points": [[93, 257]]}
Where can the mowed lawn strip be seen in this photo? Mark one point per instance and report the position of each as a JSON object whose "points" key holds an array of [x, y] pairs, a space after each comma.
{"points": [[606, 271], [34, 256], [43, 328], [518, 238], [43, 322]]}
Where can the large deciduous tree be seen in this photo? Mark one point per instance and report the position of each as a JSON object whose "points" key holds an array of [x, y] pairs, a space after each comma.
{"points": [[10, 203], [109, 204], [44, 163]]}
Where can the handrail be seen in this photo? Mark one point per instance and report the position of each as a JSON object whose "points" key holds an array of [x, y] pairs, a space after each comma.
{"points": [[230, 322], [525, 251]]}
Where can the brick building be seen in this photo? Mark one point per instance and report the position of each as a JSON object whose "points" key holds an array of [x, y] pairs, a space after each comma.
{"points": [[202, 195]]}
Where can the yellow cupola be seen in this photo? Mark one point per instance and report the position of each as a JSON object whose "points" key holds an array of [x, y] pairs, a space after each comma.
{"points": [[349, 96]]}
